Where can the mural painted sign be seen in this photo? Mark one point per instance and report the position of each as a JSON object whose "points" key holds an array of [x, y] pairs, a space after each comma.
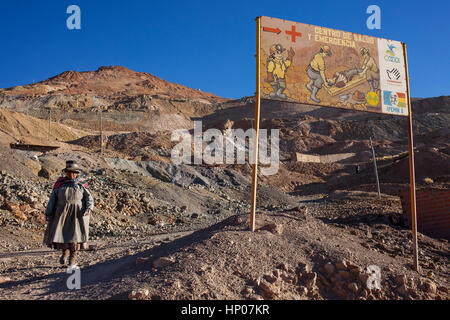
{"points": [[314, 65]]}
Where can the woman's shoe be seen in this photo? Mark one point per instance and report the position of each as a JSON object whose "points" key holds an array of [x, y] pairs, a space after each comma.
{"points": [[65, 257], [73, 259]]}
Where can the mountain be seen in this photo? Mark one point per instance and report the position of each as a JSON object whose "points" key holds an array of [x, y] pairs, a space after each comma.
{"points": [[110, 81], [140, 100]]}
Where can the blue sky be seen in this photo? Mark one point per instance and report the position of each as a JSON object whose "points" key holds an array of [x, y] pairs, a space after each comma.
{"points": [[207, 45]]}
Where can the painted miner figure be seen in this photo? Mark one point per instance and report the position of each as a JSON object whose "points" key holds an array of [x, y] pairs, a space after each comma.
{"points": [[369, 69], [68, 214], [316, 72], [277, 66]]}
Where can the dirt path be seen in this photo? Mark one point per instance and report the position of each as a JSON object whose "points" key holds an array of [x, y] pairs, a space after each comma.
{"points": [[98, 245], [36, 273]]}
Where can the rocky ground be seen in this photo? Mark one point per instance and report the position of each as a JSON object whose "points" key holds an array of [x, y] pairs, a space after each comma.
{"points": [[165, 231], [183, 234], [313, 251]]}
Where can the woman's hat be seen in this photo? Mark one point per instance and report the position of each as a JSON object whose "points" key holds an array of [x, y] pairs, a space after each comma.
{"points": [[71, 167]]}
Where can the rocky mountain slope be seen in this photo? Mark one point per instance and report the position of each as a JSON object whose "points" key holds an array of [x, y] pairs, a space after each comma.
{"points": [[110, 82], [129, 100], [162, 231]]}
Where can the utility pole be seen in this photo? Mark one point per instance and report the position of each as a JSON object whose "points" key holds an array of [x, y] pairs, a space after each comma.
{"points": [[375, 168], [49, 121], [101, 132]]}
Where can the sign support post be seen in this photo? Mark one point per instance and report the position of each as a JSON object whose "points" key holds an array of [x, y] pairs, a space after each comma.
{"points": [[257, 115], [412, 174]]}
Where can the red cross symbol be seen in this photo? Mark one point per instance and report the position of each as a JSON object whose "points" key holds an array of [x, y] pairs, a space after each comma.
{"points": [[293, 33]]}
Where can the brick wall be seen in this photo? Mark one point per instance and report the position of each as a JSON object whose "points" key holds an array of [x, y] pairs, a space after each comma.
{"points": [[433, 211]]}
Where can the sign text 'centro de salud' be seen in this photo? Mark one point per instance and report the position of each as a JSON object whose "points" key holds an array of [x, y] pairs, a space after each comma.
{"points": [[320, 66]]}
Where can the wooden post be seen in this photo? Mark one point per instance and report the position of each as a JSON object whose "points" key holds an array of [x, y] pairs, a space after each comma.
{"points": [[412, 175], [257, 115], [101, 132], [49, 121], [375, 168]]}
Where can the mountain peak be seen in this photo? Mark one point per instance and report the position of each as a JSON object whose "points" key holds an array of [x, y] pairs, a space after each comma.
{"points": [[114, 81], [114, 69]]}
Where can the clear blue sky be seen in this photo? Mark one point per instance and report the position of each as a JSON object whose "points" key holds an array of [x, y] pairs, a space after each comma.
{"points": [[207, 45]]}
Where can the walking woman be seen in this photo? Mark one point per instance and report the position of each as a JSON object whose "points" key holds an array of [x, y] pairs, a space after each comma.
{"points": [[68, 213]]}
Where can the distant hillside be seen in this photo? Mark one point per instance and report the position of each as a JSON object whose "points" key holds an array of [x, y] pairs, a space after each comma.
{"points": [[109, 81]]}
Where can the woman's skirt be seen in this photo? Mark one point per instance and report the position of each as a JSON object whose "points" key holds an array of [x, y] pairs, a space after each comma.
{"points": [[70, 246]]}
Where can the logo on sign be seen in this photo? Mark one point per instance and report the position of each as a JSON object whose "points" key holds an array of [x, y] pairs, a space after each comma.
{"points": [[394, 99], [393, 74], [372, 98], [390, 54]]}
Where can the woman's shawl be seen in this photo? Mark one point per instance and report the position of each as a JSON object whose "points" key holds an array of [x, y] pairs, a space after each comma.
{"points": [[88, 202], [64, 180]]}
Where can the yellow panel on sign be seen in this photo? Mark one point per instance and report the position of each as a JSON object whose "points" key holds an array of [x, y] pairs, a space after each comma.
{"points": [[326, 67]]}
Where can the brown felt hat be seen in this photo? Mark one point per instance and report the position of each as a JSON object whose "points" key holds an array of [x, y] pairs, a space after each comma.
{"points": [[72, 167]]}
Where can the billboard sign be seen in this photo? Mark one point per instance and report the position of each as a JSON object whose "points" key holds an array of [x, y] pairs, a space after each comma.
{"points": [[320, 66]]}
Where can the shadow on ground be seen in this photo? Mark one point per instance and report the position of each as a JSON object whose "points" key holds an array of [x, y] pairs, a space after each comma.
{"points": [[112, 270]]}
